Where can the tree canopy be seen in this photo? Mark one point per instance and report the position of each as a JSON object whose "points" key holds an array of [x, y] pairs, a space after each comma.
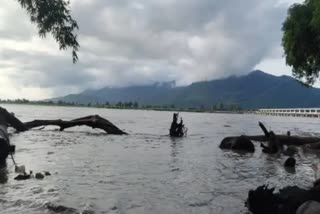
{"points": [[301, 40], [53, 16]]}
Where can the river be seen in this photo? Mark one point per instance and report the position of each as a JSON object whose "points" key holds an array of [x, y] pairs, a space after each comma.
{"points": [[146, 171]]}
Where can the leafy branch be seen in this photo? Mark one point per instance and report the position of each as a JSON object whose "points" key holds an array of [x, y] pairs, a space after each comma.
{"points": [[53, 16]]}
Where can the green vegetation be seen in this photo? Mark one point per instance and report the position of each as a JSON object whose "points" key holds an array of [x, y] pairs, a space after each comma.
{"points": [[219, 107], [301, 40], [54, 17]]}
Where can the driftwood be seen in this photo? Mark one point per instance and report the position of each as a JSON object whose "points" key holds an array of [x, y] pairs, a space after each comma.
{"points": [[283, 139], [177, 129], [8, 119], [94, 121], [241, 143], [264, 129], [286, 140]]}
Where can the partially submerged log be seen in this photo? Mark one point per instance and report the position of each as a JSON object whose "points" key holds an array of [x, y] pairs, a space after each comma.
{"points": [[8, 119], [264, 129], [281, 139], [93, 121], [242, 143], [286, 140]]}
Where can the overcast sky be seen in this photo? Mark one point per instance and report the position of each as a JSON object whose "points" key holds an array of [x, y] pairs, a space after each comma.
{"points": [[129, 42]]}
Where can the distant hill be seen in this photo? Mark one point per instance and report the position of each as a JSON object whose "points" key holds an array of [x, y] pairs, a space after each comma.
{"points": [[255, 90]]}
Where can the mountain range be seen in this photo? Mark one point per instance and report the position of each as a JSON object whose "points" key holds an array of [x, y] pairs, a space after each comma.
{"points": [[255, 90]]}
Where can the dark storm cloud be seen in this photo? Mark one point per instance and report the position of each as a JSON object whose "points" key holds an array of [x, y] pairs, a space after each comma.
{"points": [[131, 42]]}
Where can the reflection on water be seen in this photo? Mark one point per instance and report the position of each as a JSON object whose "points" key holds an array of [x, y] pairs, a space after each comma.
{"points": [[146, 171]]}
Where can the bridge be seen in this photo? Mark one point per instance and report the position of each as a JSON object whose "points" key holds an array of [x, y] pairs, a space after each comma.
{"points": [[294, 112]]}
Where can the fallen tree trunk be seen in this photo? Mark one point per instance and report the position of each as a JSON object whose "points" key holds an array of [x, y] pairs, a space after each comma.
{"points": [[8, 119], [286, 140], [93, 121], [282, 139]]}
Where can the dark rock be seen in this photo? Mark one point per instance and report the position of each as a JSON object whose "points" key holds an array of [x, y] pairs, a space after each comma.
{"points": [[39, 175], [261, 201], [243, 143], [23, 176], [290, 162], [60, 208], [227, 143], [309, 207], [87, 212], [47, 173], [264, 201]]}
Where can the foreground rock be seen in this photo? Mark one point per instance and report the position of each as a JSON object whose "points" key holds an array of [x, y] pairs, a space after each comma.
{"points": [[39, 176], [242, 143], [309, 207], [23, 176], [288, 200], [290, 163]]}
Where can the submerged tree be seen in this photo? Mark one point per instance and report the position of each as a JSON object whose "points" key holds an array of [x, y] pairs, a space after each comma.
{"points": [[53, 16], [301, 40]]}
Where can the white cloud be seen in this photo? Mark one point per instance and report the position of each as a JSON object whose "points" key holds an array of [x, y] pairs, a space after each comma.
{"points": [[140, 42]]}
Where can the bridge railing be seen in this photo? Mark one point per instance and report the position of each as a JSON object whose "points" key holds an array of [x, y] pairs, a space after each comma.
{"points": [[305, 112]]}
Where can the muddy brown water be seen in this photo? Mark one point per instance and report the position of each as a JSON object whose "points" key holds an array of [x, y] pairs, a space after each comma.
{"points": [[146, 171]]}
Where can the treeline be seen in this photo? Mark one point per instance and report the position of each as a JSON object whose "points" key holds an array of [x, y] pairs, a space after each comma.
{"points": [[219, 107]]}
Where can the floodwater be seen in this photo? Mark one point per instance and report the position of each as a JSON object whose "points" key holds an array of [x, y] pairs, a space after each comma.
{"points": [[146, 171]]}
